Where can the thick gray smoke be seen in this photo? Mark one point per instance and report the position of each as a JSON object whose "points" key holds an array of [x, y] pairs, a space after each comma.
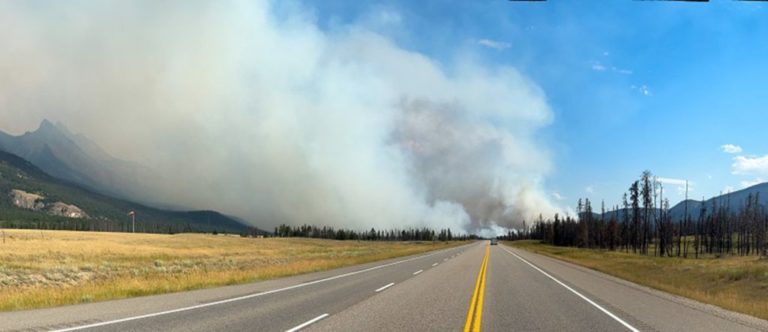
{"points": [[268, 117]]}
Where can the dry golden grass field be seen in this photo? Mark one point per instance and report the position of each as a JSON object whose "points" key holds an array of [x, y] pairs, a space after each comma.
{"points": [[49, 268], [734, 283]]}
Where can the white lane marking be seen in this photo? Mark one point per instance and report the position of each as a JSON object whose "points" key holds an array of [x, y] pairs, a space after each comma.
{"points": [[240, 298], [616, 318], [435, 264], [417, 272], [385, 287], [308, 323]]}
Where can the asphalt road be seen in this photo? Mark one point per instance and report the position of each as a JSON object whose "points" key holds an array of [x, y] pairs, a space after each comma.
{"points": [[493, 288]]}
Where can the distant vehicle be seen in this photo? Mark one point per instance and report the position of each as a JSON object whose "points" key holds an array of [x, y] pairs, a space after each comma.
{"points": [[494, 242]]}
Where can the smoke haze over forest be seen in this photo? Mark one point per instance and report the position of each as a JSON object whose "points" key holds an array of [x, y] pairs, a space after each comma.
{"points": [[263, 114]]}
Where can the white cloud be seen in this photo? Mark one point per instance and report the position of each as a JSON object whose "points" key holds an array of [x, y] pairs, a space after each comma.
{"points": [[747, 165], [557, 196], [679, 184], [730, 148], [643, 89], [598, 66], [749, 183], [589, 189], [389, 17], [621, 71], [494, 44]]}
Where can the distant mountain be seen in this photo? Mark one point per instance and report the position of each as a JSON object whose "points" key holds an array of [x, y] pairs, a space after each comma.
{"points": [[29, 197], [619, 213], [733, 201], [75, 158]]}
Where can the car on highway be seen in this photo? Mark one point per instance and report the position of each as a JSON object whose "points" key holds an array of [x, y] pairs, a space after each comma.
{"points": [[494, 242]]}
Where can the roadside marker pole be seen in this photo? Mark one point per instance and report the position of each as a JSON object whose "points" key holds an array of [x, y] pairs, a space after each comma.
{"points": [[133, 221]]}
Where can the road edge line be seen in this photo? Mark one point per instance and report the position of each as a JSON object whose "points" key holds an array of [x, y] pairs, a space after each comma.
{"points": [[245, 297], [605, 311], [385, 287], [308, 323]]}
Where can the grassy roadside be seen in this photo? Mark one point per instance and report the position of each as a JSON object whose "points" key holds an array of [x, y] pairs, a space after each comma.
{"points": [[735, 283], [49, 268]]}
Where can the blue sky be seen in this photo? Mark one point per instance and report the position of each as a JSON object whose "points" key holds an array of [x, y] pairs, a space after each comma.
{"points": [[633, 85]]}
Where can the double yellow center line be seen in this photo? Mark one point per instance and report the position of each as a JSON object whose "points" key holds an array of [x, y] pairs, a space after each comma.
{"points": [[475, 314]]}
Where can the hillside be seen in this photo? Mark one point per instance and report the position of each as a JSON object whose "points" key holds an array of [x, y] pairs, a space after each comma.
{"points": [[734, 201], [75, 158], [48, 195]]}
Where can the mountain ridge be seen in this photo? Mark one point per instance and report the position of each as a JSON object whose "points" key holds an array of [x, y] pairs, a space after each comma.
{"points": [[106, 213], [53, 148], [734, 201], [56, 155]]}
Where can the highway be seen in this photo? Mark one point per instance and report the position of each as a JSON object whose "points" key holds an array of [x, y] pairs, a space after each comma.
{"points": [[468, 288]]}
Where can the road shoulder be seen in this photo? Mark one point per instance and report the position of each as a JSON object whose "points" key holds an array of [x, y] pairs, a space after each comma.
{"points": [[620, 293]]}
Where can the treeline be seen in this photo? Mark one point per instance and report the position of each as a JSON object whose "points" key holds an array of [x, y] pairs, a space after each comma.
{"points": [[410, 234], [91, 225], [96, 225], [11, 217], [643, 224]]}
